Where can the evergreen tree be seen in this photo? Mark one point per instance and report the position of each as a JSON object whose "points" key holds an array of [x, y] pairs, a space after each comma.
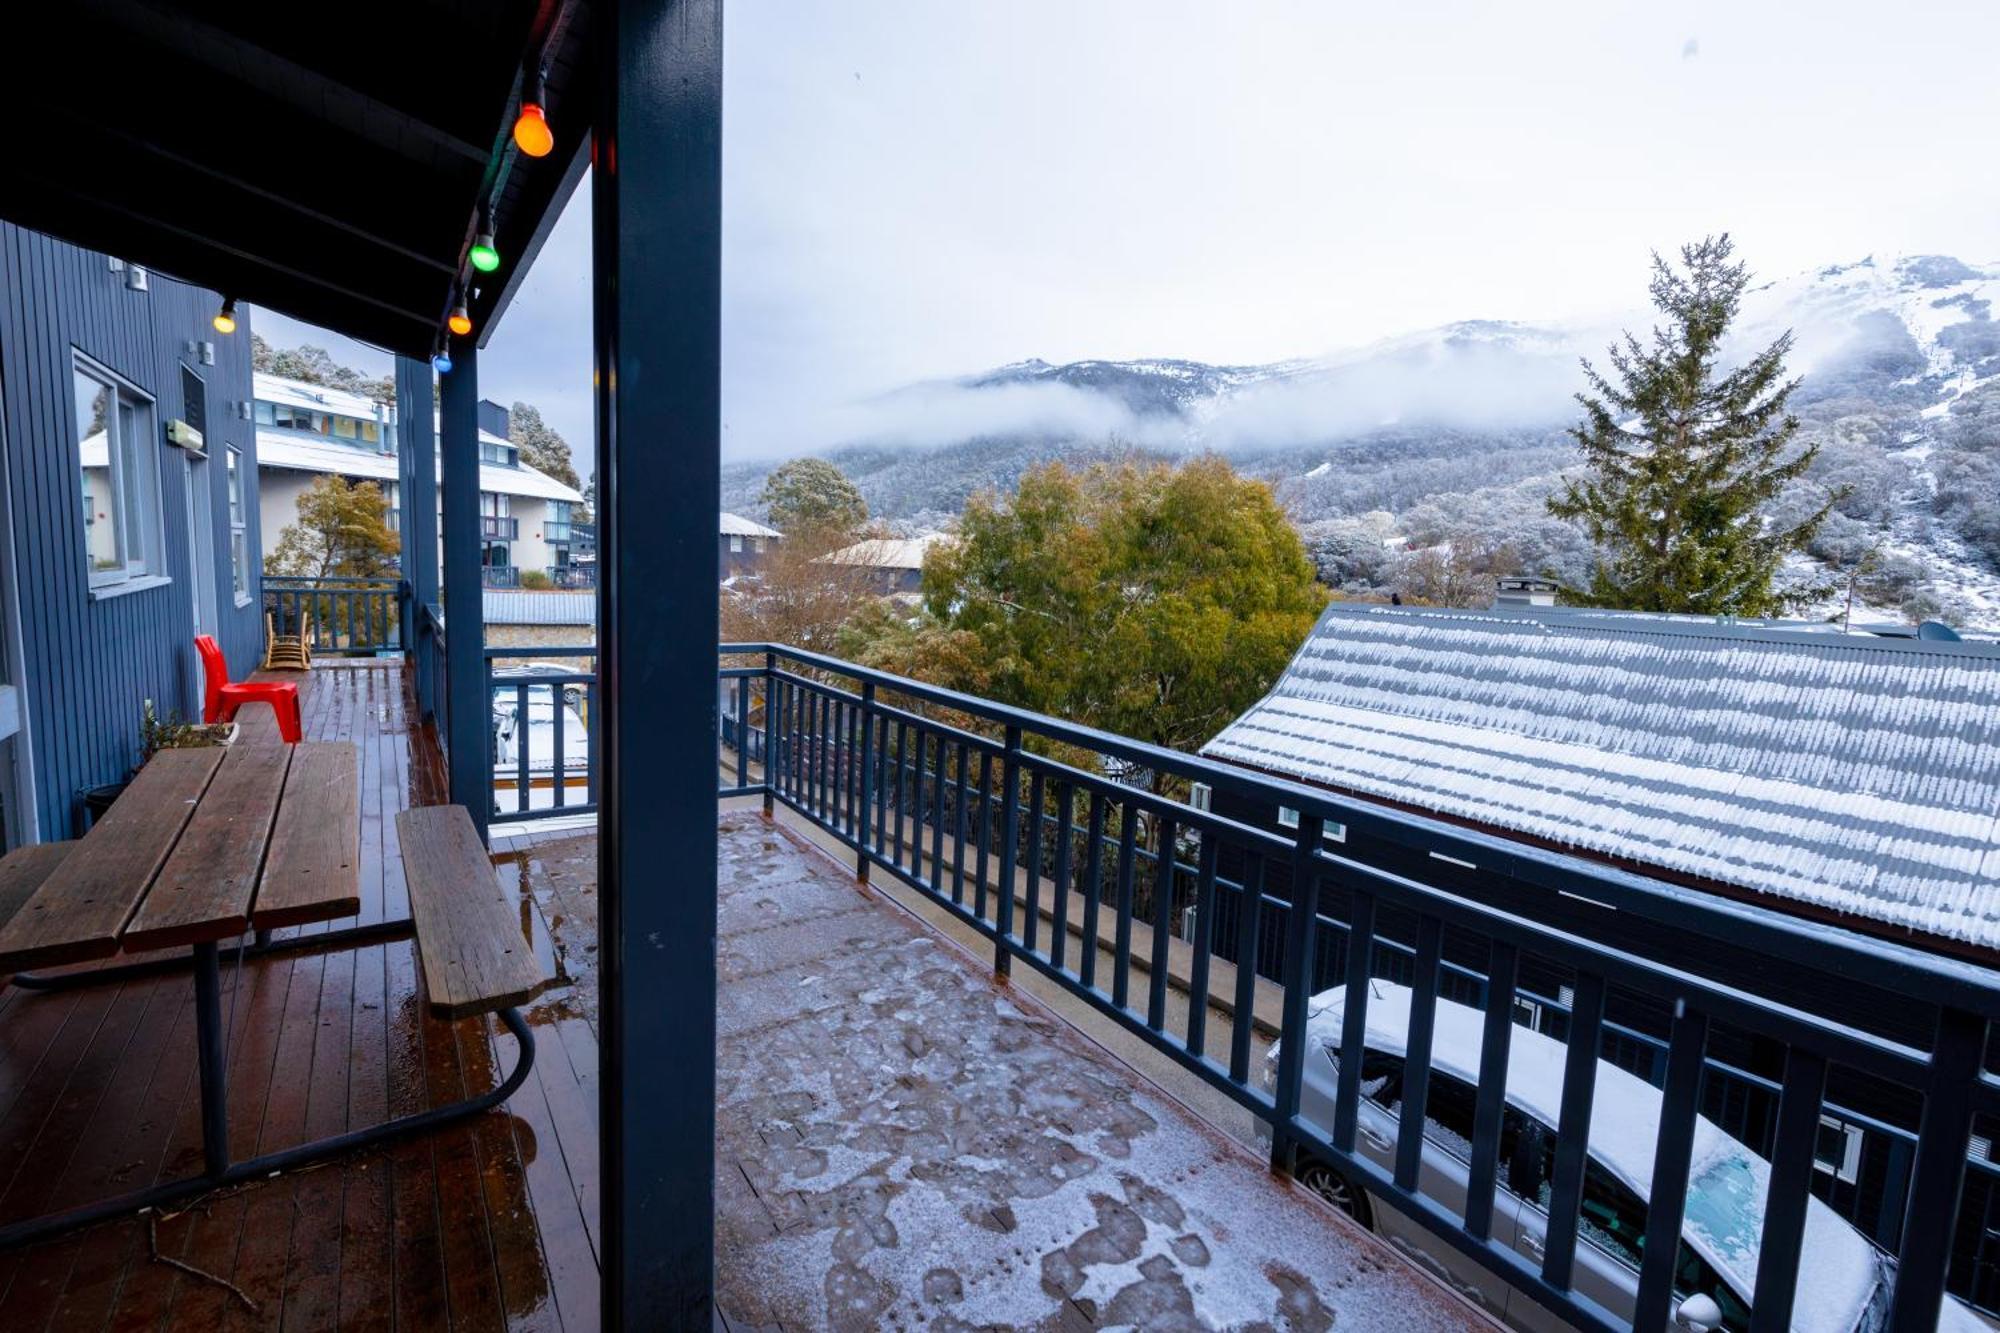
{"points": [[813, 503], [1682, 459], [541, 446]]}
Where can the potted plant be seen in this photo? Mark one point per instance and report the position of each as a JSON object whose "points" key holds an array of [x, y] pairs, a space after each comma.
{"points": [[157, 734]]}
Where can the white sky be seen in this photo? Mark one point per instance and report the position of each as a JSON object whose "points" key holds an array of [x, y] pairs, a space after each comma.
{"points": [[919, 189]]}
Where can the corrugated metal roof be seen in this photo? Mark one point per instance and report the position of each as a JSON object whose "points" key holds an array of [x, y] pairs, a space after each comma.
{"points": [[509, 606], [888, 552], [1855, 773]]}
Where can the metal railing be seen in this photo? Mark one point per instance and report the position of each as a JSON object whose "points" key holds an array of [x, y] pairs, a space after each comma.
{"points": [[432, 663], [543, 732], [1006, 819], [356, 617], [500, 576], [573, 576]]}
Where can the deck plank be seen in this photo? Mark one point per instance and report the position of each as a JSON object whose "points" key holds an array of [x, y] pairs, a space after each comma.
{"points": [[80, 911], [313, 869], [204, 890]]}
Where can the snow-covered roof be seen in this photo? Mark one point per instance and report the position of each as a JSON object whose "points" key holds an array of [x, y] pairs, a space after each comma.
{"points": [[301, 451], [735, 525], [296, 393], [1856, 774], [507, 606], [888, 552]]}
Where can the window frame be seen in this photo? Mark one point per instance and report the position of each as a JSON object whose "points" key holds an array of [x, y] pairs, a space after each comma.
{"points": [[1330, 830], [239, 526], [133, 413]]}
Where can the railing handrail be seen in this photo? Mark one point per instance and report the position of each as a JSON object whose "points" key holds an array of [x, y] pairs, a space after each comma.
{"points": [[349, 580], [1884, 963]]}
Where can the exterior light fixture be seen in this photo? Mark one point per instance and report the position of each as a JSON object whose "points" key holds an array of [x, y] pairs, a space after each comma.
{"points": [[532, 134], [441, 359], [484, 257], [225, 318], [461, 319]]}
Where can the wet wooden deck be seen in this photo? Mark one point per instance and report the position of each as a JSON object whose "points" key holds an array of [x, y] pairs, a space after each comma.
{"points": [[900, 1143], [487, 1225]]}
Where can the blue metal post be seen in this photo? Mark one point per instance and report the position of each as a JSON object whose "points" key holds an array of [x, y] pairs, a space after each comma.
{"points": [[657, 253], [469, 712], [416, 445]]}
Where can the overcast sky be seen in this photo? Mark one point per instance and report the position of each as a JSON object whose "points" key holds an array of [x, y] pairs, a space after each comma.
{"points": [[918, 189]]}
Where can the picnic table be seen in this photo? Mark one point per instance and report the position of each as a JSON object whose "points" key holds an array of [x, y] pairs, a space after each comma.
{"points": [[205, 847]]}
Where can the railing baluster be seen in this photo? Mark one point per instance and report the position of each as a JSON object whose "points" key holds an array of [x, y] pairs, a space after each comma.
{"points": [[961, 829], [1065, 851], [523, 747], [1789, 1192], [864, 779], [560, 795], [1354, 1013], [1093, 890], [902, 774], [770, 730], [1165, 867], [742, 733], [1010, 850], [1496, 1045], [1247, 914], [1943, 1133], [1417, 1059], [879, 780], [1573, 1131], [1033, 862], [940, 766], [1301, 930], [1121, 954], [1204, 934], [1673, 1153], [985, 832]]}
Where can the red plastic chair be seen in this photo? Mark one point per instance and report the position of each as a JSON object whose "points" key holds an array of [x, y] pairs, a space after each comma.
{"points": [[222, 699]]}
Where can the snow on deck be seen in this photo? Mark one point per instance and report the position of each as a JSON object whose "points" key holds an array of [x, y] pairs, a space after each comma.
{"points": [[903, 1143], [1856, 774]]}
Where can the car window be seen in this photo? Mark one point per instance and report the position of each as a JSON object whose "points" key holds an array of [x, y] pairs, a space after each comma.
{"points": [[1449, 1103]]}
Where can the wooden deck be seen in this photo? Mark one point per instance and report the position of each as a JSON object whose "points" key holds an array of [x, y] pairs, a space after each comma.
{"points": [[871, 1078], [484, 1226]]}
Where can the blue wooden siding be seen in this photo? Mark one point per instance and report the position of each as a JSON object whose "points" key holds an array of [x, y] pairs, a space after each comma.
{"points": [[90, 664]]}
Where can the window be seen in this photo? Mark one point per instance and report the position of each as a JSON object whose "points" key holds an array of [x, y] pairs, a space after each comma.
{"points": [[735, 544], [1331, 832], [267, 414], [1201, 796], [121, 477], [499, 455], [344, 428], [371, 431], [1838, 1151], [239, 541]]}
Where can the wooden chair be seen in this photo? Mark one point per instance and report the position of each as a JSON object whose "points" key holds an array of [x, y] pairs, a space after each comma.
{"points": [[288, 652]]}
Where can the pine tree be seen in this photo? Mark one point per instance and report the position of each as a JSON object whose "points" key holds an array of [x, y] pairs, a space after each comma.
{"points": [[1682, 459]]}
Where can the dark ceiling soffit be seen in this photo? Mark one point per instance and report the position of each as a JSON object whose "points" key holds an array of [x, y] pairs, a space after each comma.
{"points": [[529, 248]]}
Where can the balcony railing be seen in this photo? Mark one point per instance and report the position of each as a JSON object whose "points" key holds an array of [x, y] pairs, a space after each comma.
{"points": [[544, 748], [500, 576], [355, 617], [961, 798], [573, 576], [499, 529]]}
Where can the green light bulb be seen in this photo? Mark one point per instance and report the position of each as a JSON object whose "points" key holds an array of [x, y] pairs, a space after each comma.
{"points": [[484, 257]]}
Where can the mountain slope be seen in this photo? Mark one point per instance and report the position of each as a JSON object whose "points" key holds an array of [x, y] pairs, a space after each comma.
{"points": [[1454, 434]]}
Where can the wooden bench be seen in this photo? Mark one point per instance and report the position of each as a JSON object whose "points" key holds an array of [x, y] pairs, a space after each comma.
{"points": [[474, 957]]}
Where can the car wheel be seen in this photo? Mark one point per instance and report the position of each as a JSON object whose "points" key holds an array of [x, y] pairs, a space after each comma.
{"points": [[1337, 1190]]}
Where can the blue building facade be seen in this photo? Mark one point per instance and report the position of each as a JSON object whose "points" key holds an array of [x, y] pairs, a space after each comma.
{"points": [[129, 522]]}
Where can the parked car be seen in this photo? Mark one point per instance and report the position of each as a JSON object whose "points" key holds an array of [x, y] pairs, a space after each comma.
{"points": [[536, 738], [1844, 1280]]}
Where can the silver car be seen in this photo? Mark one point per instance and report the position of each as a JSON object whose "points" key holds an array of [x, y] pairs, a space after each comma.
{"points": [[1844, 1280]]}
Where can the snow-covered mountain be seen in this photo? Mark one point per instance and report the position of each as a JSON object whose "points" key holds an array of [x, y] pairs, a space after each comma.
{"points": [[1456, 433]]}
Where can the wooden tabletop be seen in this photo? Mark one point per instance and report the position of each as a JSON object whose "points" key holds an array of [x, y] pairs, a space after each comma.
{"points": [[203, 846]]}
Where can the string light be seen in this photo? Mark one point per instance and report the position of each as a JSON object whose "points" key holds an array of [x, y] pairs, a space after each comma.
{"points": [[441, 359], [484, 257], [225, 318], [461, 319], [532, 134]]}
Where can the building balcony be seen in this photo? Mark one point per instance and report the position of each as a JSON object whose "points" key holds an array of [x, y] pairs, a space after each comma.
{"points": [[556, 534], [500, 576], [499, 529], [898, 1139]]}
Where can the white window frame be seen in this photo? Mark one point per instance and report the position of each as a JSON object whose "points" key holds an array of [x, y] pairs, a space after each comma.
{"points": [[1331, 831], [239, 529], [1202, 797], [142, 454], [1848, 1169], [736, 543]]}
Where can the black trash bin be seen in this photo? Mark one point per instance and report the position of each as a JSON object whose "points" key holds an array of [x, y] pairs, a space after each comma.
{"points": [[96, 800]]}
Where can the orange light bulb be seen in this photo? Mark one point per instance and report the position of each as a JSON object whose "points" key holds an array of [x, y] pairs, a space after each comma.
{"points": [[532, 134], [460, 322]]}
